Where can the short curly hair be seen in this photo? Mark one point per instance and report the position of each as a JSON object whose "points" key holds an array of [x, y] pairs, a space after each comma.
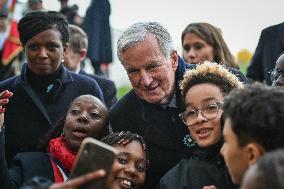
{"points": [[138, 32], [257, 115], [268, 171], [213, 73]]}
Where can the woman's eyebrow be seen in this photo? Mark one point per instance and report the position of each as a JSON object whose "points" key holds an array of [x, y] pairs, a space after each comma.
{"points": [[204, 100]]}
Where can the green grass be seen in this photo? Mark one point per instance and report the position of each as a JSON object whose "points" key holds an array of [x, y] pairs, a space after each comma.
{"points": [[243, 67], [121, 91]]}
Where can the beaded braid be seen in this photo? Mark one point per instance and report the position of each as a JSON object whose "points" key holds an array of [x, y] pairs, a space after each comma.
{"points": [[36, 22], [125, 137]]}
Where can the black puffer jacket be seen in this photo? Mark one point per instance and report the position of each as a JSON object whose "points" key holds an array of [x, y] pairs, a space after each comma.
{"points": [[205, 167]]}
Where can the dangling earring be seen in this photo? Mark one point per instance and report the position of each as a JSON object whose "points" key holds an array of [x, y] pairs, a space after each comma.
{"points": [[62, 60]]}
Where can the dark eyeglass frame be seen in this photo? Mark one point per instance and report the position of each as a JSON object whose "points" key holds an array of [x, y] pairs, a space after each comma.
{"points": [[201, 111], [275, 74]]}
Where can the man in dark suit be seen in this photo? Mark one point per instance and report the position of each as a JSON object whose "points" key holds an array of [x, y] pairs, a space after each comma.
{"points": [[269, 48], [76, 53], [152, 107]]}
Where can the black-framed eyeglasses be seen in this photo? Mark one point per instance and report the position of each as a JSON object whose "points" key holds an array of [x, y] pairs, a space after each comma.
{"points": [[208, 111], [275, 74]]}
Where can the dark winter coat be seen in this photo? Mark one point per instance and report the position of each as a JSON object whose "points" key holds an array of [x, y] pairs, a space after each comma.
{"points": [[107, 86], [164, 132], [27, 118], [269, 48], [26, 165], [96, 25], [206, 167]]}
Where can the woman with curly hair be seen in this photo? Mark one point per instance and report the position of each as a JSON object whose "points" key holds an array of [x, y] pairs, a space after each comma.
{"points": [[203, 90]]}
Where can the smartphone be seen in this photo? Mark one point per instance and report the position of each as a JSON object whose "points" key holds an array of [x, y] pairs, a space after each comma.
{"points": [[93, 155]]}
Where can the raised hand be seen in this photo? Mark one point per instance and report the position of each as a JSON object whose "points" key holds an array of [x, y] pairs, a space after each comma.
{"points": [[4, 99]]}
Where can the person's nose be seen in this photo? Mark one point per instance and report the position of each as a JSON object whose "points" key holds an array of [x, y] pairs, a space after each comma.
{"points": [[130, 170], [146, 78], [191, 54], [83, 118], [200, 118], [42, 53]]}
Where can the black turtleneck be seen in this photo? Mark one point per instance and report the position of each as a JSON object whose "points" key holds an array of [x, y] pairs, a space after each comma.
{"points": [[39, 82], [205, 167], [211, 153], [44, 87]]}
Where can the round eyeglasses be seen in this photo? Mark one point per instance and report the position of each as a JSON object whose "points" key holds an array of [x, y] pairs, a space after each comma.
{"points": [[275, 74], [208, 111]]}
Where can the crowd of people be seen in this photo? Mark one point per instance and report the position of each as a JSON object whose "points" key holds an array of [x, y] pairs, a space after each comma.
{"points": [[189, 122], [95, 23]]}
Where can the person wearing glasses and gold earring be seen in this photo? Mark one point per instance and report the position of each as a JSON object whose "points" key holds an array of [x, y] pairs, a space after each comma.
{"points": [[203, 90], [277, 74]]}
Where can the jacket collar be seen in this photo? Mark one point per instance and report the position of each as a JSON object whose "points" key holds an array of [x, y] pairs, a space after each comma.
{"points": [[182, 67], [64, 76]]}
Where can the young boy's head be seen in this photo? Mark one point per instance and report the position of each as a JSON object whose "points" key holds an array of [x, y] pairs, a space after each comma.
{"points": [[254, 124], [77, 49], [267, 172]]}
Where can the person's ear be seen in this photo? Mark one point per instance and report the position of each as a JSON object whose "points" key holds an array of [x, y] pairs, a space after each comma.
{"points": [[174, 60], [82, 54], [255, 151]]}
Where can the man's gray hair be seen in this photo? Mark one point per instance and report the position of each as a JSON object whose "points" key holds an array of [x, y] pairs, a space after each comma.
{"points": [[139, 31]]}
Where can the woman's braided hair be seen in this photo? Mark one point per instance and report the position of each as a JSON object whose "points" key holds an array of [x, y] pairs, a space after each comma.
{"points": [[36, 22], [124, 138]]}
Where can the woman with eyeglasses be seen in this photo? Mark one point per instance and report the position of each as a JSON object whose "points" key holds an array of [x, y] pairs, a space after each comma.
{"points": [[203, 90], [277, 74]]}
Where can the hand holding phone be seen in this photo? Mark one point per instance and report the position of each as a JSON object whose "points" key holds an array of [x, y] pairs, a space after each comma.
{"points": [[93, 155]]}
